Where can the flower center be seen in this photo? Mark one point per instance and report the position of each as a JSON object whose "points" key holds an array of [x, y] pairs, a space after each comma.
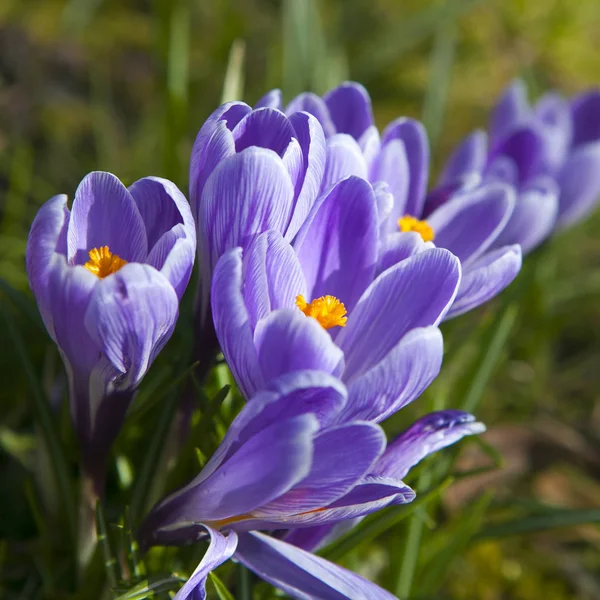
{"points": [[423, 228], [103, 262], [328, 310]]}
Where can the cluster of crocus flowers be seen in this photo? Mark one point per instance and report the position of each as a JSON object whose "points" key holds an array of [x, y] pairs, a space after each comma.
{"points": [[326, 268], [296, 459], [549, 153]]}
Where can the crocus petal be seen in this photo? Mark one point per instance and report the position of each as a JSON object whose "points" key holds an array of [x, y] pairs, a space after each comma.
{"points": [[271, 99], [399, 300], [207, 153], [469, 157], [370, 144], [349, 105], [69, 292], [344, 158], [428, 435], [131, 316], [585, 110], [554, 114], [399, 246], [288, 396], [398, 379], [468, 224], [384, 200], [288, 341], [315, 105], [414, 137], [526, 147], [533, 218], [303, 575], [579, 183], [266, 128], [170, 229], [162, 206], [105, 214], [342, 456], [314, 151], [266, 466], [391, 166], [370, 495], [232, 322], [273, 277], [511, 110], [247, 193], [48, 236], [337, 245], [220, 550], [486, 277]]}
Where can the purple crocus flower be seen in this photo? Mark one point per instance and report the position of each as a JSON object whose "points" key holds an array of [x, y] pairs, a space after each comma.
{"points": [[549, 152], [320, 304], [251, 170], [107, 276], [293, 459], [469, 222]]}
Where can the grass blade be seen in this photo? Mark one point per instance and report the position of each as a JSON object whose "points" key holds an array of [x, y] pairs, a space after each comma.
{"points": [[536, 523], [233, 85], [47, 425]]}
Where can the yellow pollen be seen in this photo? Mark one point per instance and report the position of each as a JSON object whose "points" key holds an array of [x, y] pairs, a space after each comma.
{"points": [[423, 228], [328, 310], [103, 262]]}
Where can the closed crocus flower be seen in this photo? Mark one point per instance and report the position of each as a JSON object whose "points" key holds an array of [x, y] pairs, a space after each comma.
{"points": [[107, 276], [290, 460], [549, 152], [320, 304], [468, 224], [251, 170]]}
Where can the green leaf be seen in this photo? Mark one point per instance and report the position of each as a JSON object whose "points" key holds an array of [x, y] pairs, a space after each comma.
{"points": [[220, 588], [536, 523], [233, 85], [492, 345], [110, 560], [390, 44], [47, 425], [440, 75], [468, 525], [152, 586]]}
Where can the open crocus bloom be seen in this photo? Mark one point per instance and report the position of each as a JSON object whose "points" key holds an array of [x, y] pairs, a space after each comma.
{"points": [[550, 153], [107, 276], [293, 459], [252, 170], [319, 305], [469, 222]]}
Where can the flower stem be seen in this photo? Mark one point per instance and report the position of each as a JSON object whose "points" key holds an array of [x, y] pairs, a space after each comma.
{"points": [[91, 486]]}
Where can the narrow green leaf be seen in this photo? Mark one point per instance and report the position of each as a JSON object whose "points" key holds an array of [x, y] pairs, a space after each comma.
{"points": [[390, 44], [378, 523], [233, 85], [48, 427], [469, 523], [110, 560], [492, 345], [141, 491], [244, 583], [220, 588], [152, 586], [536, 523], [440, 75]]}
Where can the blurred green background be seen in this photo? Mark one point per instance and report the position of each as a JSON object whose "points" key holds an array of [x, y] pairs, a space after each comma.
{"points": [[124, 85]]}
